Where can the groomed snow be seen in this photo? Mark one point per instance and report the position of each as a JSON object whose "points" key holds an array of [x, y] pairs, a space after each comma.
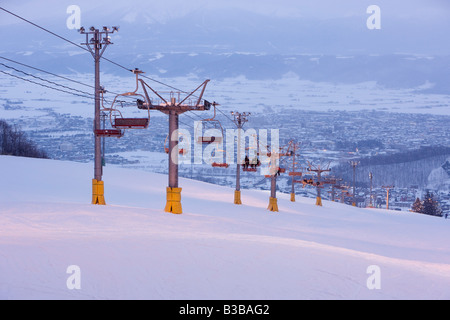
{"points": [[132, 249]]}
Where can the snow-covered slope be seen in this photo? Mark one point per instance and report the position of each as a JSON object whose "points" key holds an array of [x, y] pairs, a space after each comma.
{"points": [[132, 249]]}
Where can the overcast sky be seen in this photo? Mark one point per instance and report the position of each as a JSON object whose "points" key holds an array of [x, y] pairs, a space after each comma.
{"points": [[426, 22], [323, 9]]}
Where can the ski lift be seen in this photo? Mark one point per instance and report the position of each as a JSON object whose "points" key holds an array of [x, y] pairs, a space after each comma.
{"points": [[286, 154], [120, 122], [310, 182], [295, 174], [250, 168], [116, 133], [250, 165], [211, 139], [220, 164], [166, 149]]}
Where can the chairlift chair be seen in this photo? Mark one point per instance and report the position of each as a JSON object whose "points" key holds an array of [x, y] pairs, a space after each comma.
{"points": [[131, 123], [250, 167], [115, 133], [211, 139], [120, 122], [166, 149], [220, 165]]}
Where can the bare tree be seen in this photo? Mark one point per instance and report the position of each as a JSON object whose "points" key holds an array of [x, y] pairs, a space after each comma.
{"points": [[14, 142]]}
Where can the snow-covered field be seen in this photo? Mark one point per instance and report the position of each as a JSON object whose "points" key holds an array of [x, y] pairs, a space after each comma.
{"points": [[237, 93], [132, 249]]}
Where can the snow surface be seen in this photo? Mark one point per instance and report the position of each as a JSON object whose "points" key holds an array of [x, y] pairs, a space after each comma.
{"points": [[132, 249]]}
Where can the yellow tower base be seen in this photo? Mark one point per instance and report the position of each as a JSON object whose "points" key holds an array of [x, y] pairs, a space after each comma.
{"points": [[318, 201], [173, 204], [293, 197], [98, 192], [273, 205], [237, 197]]}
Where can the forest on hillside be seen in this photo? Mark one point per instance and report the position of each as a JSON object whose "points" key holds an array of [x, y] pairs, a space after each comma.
{"points": [[15, 142], [403, 169]]}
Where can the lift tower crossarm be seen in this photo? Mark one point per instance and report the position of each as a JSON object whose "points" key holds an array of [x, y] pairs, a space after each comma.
{"points": [[173, 108], [173, 105]]}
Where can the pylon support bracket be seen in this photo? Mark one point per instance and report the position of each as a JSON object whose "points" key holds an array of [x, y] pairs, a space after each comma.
{"points": [[173, 204], [237, 197], [292, 197], [273, 205], [319, 201], [98, 192]]}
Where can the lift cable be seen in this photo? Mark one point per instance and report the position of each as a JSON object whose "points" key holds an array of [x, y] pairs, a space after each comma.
{"points": [[46, 86], [50, 82], [106, 59], [47, 72]]}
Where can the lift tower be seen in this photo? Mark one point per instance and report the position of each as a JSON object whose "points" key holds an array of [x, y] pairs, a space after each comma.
{"points": [[294, 147], [239, 120], [318, 170], [354, 164], [388, 189], [97, 46], [173, 107], [275, 169]]}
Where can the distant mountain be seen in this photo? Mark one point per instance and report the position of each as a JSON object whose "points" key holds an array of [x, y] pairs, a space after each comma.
{"points": [[220, 42], [424, 73]]}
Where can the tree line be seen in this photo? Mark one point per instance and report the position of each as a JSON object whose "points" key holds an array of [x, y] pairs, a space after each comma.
{"points": [[14, 142], [428, 205], [424, 152], [401, 169]]}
